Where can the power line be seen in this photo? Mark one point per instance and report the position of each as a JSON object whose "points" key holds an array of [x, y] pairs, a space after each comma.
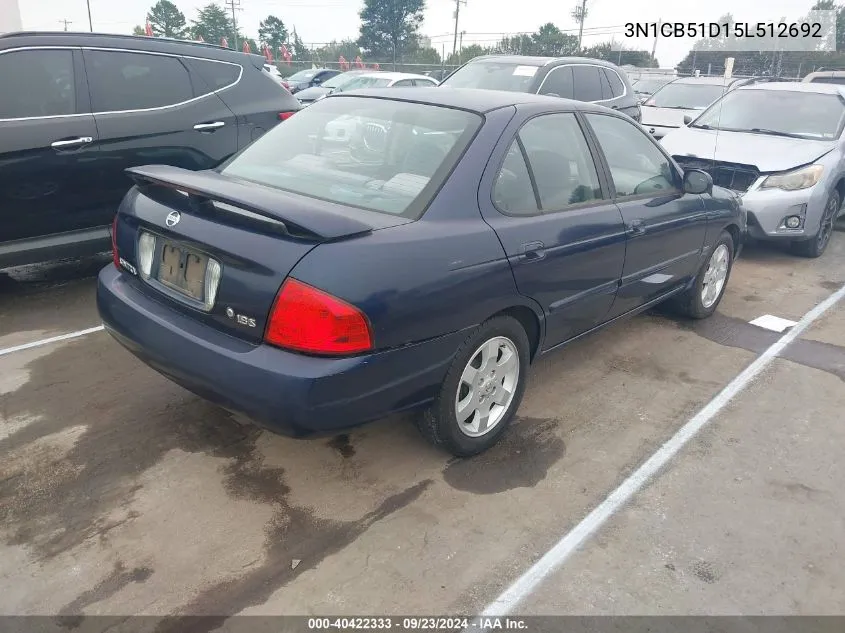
{"points": [[90, 23]]}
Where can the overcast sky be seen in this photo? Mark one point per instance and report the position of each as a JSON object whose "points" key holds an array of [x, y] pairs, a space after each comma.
{"points": [[484, 21]]}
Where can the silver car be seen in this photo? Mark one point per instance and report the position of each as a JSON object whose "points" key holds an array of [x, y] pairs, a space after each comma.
{"points": [[780, 146]]}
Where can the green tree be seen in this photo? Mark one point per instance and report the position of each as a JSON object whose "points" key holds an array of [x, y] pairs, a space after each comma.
{"points": [[466, 54], [427, 55], [332, 51], [273, 31], [166, 20], [604, 51], [551, 41], [212, 24], [389, 28], [139, 30], [300, 51]]}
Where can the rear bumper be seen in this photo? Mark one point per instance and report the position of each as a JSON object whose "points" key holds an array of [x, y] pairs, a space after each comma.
{"points": [[285, 392]]}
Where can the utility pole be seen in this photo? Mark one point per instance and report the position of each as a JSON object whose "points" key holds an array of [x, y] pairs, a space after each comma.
{"points": [[580, 14], [458, 4], [656, 35], [90, 23], [235, 5], [65, 22]]}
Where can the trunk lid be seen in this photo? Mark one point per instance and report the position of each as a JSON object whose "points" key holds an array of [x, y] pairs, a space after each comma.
{"points": [[255, 233]]}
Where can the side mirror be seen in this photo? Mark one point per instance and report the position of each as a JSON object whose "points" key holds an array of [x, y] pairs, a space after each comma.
{"points": [[687, 119], [697, 181]]}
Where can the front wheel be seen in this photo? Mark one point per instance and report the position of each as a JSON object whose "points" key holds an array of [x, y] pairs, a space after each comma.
{"points": [[482, 389], [815, 246], [703, 298]]}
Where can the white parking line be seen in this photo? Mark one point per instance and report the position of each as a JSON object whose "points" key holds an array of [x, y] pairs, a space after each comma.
{"points": [[48, 341], [570, 542]]}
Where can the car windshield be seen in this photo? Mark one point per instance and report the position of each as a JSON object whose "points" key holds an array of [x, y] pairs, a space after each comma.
{"points": [[303, 75], [777, 112], [687, 96], [649, 86], [338, 80], [493, 75], [376, 154], [364, 82]]}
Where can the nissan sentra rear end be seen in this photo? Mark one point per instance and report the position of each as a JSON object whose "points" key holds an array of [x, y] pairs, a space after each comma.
{"points": [[206, 286]]}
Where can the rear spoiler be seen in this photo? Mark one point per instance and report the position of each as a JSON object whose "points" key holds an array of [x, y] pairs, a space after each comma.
{"points": [[296, 216]]}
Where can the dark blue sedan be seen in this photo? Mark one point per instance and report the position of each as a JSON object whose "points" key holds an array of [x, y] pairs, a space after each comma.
{"points": [[391, 250]]}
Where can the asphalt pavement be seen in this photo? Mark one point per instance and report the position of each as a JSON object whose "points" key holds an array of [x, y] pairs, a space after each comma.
{"points": [[122, 493]]}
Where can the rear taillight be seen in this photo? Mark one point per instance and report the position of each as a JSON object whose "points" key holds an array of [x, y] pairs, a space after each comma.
{"points": [[114, 254], [308, 320], [284, 116]]}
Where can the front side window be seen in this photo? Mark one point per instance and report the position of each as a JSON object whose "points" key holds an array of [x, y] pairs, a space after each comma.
{"points": [[587, 83], [562, 171], [37, 83], [375, 154], [135, 81], [777, 113], [637, 166], [559, 83]]}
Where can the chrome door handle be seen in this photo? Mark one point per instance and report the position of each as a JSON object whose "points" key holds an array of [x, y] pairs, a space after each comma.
{"points": [[209, 126], [74, 142], [636, 227]]}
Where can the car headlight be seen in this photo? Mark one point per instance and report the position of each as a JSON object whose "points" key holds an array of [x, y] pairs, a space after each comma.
{"points": [[794, 180]]}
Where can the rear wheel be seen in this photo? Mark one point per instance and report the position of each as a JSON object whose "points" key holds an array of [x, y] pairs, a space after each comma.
{"points": [[703, 298], [815, 246], [482, 389]]}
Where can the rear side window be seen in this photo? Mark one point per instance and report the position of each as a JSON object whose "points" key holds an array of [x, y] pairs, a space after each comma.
{"points": [[513, 192], [37, 83], [217, 75], [135, 81], [559, 83], [587, 83], [616, 86], [828, 80]]}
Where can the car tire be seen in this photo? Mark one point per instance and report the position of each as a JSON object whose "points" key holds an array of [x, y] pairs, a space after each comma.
{"points": [[816, 245], [713, 275], [492, 362]]}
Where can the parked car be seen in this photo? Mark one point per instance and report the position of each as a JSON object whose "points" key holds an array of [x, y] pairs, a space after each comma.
{"points": [[274, 73], [438, 75], [77, 109], [580, 78], [383, 79], [664, 110], [313, 292], [826, 77], [646, 86], [310, 95], [780, 146], [310, 78]]}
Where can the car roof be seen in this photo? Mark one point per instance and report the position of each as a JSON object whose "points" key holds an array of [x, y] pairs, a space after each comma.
{"points": [[706, 81], [381, 74], [528, 60], [473, 100], [797, 86], [128, 42]]}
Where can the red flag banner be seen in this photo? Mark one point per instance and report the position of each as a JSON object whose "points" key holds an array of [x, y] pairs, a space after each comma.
{"points": [[268, 53], [285, 53], [376, 66], [199, 39], [344, 65], [246, 47], [359, 63], [148, 29], [224, 42]]}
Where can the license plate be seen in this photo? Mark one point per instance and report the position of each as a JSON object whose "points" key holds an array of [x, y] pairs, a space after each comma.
{"points": [[183, 270]]}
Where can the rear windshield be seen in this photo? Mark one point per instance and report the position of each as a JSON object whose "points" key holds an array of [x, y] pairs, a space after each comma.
{"points": [[302, 75], [493, 75], [376, 154], [356, 83], [649, 86], [686, 96], [339, 80]]}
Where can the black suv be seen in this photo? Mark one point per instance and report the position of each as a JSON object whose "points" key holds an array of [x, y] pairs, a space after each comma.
{"points": [[77, 109], [579, 78]]}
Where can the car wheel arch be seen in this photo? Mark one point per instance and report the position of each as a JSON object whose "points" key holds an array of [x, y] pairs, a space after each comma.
{"points": [[736, 236], [531, 323]]}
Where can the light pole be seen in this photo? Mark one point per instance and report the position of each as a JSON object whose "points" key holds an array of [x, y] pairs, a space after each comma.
{"points": [[90, 23]]}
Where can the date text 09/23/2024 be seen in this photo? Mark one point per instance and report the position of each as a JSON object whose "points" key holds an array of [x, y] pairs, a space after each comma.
{"points": [[416, 623], [739, 30]]}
